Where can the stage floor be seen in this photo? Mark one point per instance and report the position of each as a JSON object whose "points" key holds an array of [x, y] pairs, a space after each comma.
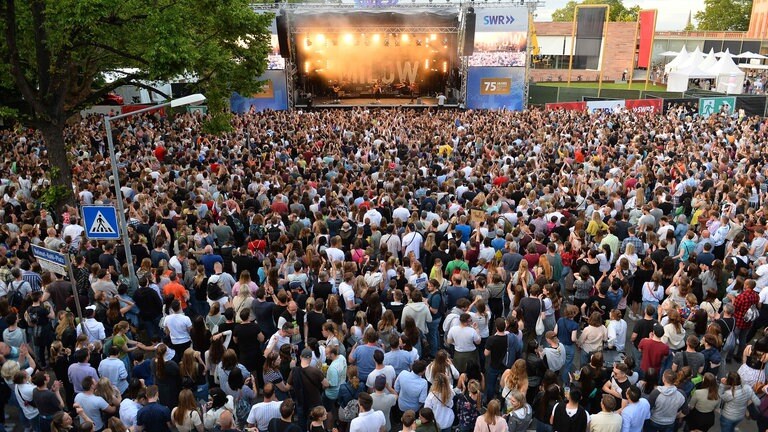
{"points": [[426, 102]]}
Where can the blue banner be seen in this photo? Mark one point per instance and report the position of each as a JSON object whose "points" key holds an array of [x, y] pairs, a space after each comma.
{"points": [[273, 95], [496, 88]]}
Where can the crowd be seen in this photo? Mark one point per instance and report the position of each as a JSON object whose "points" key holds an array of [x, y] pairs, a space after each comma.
{"points": [[368, 271], [497, 58]]}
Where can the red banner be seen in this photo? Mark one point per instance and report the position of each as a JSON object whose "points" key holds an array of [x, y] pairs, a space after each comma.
{"points": [[647, 20], [131, 108], [645, 106], [568, 106]]}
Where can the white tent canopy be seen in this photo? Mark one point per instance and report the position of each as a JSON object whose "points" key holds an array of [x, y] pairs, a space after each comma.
{"points": [[681, 57], [678, 79], [750, 55], [709, 61], [694, 59], [730, 78]]}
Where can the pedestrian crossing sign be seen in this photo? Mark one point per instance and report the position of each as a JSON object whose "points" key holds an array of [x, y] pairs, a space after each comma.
{"points": [[101, 222]]}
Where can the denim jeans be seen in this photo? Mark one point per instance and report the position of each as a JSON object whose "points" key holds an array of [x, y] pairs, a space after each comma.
{"points": [[728, 425], [741, 342], [570, 353], [653, 427], [491, 382], [434, 336]]}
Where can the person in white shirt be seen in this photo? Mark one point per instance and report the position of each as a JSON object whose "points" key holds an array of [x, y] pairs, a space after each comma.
{"points": [[401, 212], [464, 339], [93, 329], [386, 371], [280, 338], [440, 401], [263, 412], [412, 241], [23, 390], [617, 331], [334, 252], [177, 326], [368, 420]]}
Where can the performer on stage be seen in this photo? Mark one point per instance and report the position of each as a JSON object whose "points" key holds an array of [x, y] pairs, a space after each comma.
{"points": [[377, 92]]}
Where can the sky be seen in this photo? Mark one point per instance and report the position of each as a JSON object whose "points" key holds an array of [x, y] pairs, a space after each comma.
{"points": [[672, 14]]}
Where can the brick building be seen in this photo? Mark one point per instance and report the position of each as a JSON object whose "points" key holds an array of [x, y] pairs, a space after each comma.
{"points": [[555, 49]]}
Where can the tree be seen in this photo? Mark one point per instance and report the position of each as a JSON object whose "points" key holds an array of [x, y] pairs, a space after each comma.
{"points": [[53, 54], [618, 11], [725, 15]]}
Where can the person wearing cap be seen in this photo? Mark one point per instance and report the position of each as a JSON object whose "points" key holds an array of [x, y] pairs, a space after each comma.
{"points": [[368, 419], [307, 383], [653, 351], [93, 329]]}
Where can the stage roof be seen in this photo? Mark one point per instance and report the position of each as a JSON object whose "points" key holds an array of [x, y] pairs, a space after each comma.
{"points": [[323, 17]]}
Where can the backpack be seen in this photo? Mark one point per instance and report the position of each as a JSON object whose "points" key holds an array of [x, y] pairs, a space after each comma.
{"points": [[514, 346], [441, 306], [15, 297], [273, 233], [751, 314], [213, 289], [349, 412], [242, 408], [256, 232]]}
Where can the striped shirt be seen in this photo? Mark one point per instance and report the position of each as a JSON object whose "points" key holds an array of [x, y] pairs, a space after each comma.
{"points": [[34, 279], [262, 413]]}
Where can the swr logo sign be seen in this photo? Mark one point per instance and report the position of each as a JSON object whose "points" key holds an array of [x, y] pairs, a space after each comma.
{"points": [[498, 20]]}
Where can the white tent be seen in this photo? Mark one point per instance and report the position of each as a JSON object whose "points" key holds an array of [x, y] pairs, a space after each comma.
{"points": [[694, 59], [678, 79], [681, 57], [730, 79], [709, 61], [750, 55]]}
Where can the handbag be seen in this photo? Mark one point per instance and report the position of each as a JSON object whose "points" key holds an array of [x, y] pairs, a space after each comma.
{"points": [[540, 328]]}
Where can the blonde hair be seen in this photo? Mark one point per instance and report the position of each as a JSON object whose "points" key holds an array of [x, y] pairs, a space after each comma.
{"points": [[9, 369]]}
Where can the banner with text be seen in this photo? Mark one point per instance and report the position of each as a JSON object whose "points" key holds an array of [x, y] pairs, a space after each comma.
{"points": [[273, 95], [501, 37], [647, 106], [609, 106], [495, 88], [567, 106]]}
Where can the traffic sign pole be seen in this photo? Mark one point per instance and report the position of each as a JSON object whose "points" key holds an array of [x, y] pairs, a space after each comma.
{"points": [[119, 197], [76, 295]]}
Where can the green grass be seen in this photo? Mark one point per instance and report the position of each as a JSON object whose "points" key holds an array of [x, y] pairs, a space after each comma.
{"points": [[606, 85]]}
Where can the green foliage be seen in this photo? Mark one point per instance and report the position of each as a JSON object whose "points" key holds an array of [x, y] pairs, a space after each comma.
{"points": [[54, 196], [724, 15], [618, 11], [54, 53], [218, 123]]}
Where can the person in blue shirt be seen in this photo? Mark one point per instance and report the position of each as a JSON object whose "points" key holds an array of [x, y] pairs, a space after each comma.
{"points": [[411, 387], [397, 358], [637, 411], [499, 241], [464, 229], [153, 417], [362, 354], [142, 368]]}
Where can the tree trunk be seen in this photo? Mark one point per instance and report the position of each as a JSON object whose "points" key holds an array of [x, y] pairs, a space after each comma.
{"points": [[60, 171]]}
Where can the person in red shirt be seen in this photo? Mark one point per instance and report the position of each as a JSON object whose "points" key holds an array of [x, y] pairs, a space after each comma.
{"points": [[653, 350], [177, 290], [741, 305], [160, 153]]}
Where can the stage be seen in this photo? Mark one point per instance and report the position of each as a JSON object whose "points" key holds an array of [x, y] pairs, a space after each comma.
{"points": [[422, 102]]}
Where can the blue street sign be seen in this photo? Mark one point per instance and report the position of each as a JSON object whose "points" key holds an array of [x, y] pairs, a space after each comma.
{"points": [[101, 222], [50, 260], [49, 255]]}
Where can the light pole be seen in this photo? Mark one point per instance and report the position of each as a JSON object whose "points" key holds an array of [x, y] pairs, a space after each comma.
{"points": [[186, 100]]}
